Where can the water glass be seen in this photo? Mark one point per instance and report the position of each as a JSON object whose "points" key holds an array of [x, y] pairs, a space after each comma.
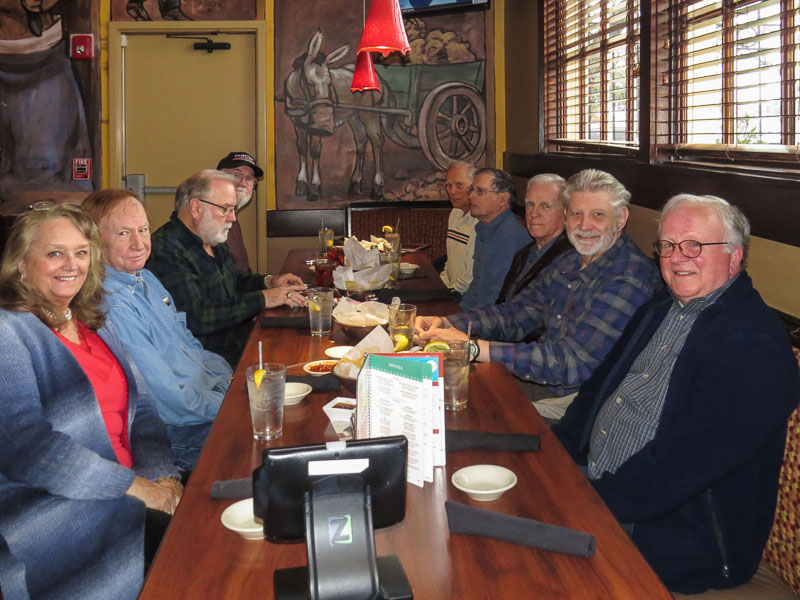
{"points": [[401, 325], [320, 307], [456, 375], [266, 399], [325, 239], [394, 239]]}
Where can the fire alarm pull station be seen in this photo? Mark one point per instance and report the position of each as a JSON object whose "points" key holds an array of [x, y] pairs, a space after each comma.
{"points": [[81, 168], [81, 46]]}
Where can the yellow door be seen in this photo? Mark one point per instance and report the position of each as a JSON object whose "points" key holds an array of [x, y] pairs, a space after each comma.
{"points": [[176, 110]]}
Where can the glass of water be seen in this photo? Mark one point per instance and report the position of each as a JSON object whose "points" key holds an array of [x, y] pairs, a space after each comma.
{"points": [[456, 375], [265, 388], [320, 307]]}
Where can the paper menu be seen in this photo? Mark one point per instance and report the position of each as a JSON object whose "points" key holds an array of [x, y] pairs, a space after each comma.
{"points": [[397, 396]]}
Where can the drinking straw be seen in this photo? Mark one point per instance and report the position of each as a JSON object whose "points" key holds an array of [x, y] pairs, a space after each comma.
{"points": [[322, 224], [397, 227], [260, 356], [469, 331]]}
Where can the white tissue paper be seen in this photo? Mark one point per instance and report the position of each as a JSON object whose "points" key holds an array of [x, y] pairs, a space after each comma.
{"points": [[366, 280], [359, 257]]}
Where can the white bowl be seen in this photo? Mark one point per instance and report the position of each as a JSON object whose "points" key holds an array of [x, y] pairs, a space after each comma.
{"points": [[295, 392], [308, 367], [407, 268], [338, 352], [484, 482], [340, 409], [239, 517]]}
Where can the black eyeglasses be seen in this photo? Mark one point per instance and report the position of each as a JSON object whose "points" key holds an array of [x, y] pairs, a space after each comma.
{"points": [[479, 191], [226, 210], [689, 248]]}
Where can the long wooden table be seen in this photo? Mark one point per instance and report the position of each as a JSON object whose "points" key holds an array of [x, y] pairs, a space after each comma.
{"points": [[199, 558]]}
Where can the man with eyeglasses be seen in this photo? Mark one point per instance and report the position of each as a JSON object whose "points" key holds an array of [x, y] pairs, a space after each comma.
{"points": [[242, 166], [682, 427], [191, 259], [457, 273], [580, 303], [498, 235]]}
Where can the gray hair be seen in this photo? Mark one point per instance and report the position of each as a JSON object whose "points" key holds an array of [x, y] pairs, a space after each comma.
{"points": [[735, 224], [594, 180], [501, 182], [548, 179], [468, 166], [198, 186]]}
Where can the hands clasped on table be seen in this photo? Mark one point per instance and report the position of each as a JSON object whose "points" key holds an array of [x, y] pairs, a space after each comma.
{"points": [[431, 329]]}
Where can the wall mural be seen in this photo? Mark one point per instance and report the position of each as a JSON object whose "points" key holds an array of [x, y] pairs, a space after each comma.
{"points": [[334, 146], [183, 10], [44, 100]]}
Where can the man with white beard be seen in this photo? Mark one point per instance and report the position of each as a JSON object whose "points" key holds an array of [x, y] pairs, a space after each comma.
{"points": [[583, 300], [190, 258], [242, 166]]}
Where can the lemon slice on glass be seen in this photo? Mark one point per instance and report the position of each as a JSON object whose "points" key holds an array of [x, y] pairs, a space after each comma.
{"points": [[387, 229], [400, 342], [258, 375], [436, 347]]}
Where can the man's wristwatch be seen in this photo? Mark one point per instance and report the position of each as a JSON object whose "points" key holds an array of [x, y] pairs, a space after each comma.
{"points": [[474, 350]]}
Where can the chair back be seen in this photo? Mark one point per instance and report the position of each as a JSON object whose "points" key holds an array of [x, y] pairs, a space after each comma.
{"points": [[782, 552]]}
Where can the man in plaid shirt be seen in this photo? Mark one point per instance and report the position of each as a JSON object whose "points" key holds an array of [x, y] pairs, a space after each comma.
{"points": [[192, 261], [582, 301]]}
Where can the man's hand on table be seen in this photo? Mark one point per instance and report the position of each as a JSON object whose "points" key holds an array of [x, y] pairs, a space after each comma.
{"points": [[159, 496], [425, 323], [449, 334], [287, 279], [288, 294]]}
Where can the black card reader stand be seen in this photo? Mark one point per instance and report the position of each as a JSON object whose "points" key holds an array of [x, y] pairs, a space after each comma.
{"points": [[341, 549]]}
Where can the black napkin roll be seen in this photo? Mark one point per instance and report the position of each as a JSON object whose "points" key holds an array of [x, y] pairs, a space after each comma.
{"points": [[517, 530], [321, 383], [456, 439], [385, 295], [300, 322], [232, 488]]}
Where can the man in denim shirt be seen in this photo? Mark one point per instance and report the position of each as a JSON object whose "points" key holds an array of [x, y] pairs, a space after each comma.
{"points": [[187, 382], [582, 301], [498, 235]]}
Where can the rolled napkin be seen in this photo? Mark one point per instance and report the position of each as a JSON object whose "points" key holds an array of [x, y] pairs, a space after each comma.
{"points": [[232, 488], [322, 383], [517, 530], [300, 322], [456, 440], [385, 295]]}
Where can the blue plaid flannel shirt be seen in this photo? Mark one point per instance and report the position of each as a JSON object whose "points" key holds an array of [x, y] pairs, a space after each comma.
{"points": [[219, 300], [583, 313]]}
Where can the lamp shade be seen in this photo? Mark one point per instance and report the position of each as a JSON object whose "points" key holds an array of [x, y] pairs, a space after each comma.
{"points": [[384, 30], [364, 76]]}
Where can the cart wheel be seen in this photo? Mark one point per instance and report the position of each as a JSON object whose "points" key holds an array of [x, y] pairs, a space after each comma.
{"points": [[452, 124]]}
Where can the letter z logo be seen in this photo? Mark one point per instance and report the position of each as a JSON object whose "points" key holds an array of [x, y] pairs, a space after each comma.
{"points": [[340, 530]]}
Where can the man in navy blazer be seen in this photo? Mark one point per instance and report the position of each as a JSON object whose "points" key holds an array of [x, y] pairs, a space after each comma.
{"points": [[682, 427]]}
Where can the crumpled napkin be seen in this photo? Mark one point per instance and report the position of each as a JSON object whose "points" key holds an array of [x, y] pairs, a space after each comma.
{"points": [[376, 341], [359, 257], [372, 278]]}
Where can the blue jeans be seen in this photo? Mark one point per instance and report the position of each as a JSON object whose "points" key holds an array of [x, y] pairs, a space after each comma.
{"points": [[187, 441]]}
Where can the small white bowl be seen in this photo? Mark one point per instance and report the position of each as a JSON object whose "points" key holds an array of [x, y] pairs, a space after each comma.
{"points": [[484, 482], [340, 409], [308, 367], [295, 392], [407, 268], [338, 352], [239, 517]]}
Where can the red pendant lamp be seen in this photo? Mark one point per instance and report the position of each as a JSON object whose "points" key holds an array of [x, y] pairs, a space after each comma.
{"points": [[364, 76], [384, 30]]}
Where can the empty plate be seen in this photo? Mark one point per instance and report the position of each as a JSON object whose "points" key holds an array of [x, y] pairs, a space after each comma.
{"points": [[338, 352], [484, 482]]}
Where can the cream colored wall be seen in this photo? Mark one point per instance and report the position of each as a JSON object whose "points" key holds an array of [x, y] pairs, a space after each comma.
{"points": [[774, 267]]}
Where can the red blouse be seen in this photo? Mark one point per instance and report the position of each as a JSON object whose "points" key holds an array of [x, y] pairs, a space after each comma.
{"points": [[110, 387]]}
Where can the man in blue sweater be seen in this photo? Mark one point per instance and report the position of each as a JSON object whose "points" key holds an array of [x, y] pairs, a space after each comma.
{"points": [[682, 427], [498, 235]]}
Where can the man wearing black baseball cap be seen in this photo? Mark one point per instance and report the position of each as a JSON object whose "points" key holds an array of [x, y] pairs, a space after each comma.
{"points": [[242, 166]]}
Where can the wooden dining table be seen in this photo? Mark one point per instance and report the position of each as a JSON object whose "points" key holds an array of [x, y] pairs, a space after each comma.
{"points": [[200, 558]]}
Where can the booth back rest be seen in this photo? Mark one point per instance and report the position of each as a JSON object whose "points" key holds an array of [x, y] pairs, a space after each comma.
{"points": [[782, 553], [420, 222]]}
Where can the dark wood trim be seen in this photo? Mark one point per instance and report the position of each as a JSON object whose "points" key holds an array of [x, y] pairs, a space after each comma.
{"points": [[771, 203], [303, 223]]}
